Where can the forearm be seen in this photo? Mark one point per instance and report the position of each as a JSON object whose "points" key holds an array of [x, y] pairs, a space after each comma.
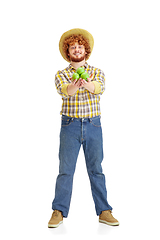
{"points": [[90, 87], [75, 85], [72, 89]]}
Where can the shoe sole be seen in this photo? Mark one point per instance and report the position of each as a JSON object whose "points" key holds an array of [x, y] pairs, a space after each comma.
{"points": [[109, 223], [54, 225]]}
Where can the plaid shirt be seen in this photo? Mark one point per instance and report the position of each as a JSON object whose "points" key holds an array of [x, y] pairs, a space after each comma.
{"points": [[83, 103]]}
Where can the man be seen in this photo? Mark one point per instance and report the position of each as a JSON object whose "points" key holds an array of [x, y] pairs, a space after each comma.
{"points": [[80, 126]]}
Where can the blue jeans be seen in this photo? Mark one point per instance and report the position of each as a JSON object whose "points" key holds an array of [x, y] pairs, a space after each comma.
{"points": [[74, 133]]}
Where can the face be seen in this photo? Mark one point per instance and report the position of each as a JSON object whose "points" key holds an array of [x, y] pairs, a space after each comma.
{"points": [[77, 52]]}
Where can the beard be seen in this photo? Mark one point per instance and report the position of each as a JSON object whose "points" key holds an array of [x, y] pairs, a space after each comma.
{"points": [[76, 59]]}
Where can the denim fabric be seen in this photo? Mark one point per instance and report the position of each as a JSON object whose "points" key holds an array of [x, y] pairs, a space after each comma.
{"points": [[74, 133]]}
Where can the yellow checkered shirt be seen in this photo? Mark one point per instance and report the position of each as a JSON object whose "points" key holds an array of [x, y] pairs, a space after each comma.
{"points": [[83, 104]]}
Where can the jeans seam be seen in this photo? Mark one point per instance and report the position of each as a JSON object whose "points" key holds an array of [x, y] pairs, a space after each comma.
{"points": [[95, 125]]}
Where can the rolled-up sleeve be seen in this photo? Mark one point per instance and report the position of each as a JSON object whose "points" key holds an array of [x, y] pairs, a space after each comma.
{"points": [[99, 81], [61, 84]]}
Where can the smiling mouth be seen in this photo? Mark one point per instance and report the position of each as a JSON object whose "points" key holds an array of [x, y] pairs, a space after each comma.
{"points": [[77, 54], [77, 57]]}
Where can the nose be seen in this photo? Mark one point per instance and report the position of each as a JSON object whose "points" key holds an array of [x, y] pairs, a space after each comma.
{"points": [[77, 49]]}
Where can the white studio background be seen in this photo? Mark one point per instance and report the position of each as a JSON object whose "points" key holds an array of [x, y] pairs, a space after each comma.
{"points": [[127, 49]]}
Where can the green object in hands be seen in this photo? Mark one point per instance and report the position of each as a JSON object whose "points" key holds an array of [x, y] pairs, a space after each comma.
{"points": [[80, 70], [80, 73], [85, 76], [75, 76]]}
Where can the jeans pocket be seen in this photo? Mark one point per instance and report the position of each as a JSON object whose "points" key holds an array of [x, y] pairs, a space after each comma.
{"points": [[66, 121], [96, 122]]}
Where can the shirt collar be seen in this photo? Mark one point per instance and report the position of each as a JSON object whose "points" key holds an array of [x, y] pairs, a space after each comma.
{"points": [[71, 67]]}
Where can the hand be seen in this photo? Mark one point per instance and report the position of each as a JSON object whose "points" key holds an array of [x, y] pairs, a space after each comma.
{"points": [[74, 86], [89, 85], [77, 83], [84, 83]]}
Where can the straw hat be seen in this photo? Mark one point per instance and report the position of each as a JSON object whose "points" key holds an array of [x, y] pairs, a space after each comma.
{"points": [[76, 31]]}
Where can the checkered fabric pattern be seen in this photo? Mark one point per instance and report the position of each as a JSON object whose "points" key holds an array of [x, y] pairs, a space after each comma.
{"points": [[83, 104]]}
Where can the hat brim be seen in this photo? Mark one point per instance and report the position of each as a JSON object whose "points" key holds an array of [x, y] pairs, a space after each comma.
{"points": [[76, 31]]}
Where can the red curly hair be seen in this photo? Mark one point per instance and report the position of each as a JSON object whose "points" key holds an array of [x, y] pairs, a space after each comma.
{"points": [[81, 41]]}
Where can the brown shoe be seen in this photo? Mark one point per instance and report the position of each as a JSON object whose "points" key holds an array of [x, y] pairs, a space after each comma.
{"points": [[107, 218], [56, 219]]}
